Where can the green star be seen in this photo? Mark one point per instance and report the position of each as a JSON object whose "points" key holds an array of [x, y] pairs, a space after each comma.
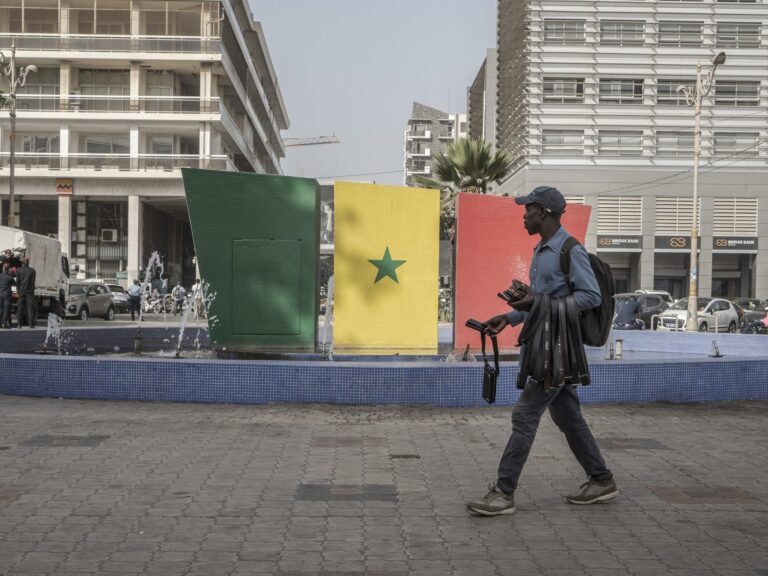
{"points": [[387, 266]]}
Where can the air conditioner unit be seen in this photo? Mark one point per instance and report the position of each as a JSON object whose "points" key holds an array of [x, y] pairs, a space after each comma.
{"points": [[109, 234]]}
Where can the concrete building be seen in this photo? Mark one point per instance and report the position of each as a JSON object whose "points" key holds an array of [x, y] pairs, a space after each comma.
{"points": [[481, 101], [587, 101], [126, 94], [429, 131]]}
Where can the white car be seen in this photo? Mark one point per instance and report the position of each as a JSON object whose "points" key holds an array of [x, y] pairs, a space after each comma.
{"points": [[714, 314]]}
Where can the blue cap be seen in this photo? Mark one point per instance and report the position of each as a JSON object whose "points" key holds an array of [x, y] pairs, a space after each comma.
{"points": [[547, 196]]}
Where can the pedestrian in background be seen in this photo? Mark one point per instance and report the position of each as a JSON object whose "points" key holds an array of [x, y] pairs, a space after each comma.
{"points": [[6, 282], [197, 298], [26, 307], [134, 299], [178, 298]]}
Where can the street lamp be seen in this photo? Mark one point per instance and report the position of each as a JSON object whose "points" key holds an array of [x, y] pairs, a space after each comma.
{"points": [[693, 98], [16, 79]]}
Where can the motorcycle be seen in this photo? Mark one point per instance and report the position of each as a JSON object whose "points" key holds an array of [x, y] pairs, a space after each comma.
{"points": [[756, 327]]}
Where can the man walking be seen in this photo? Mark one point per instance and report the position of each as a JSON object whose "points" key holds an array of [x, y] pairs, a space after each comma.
{"points": [[25, 285], [6, 282], [543, 209]]}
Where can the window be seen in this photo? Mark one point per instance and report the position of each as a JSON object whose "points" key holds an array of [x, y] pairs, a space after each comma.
{"points": [[39, 143], [104, 82], [564, 31], [620, 143], [620, 215], [161, 145], [674, 144], [667, 94], [737, 144], [562, 90], [735, 217], [621, 91], [680, 33], [739, 1], [737, 93], [675, 215], [107, 144], [738, 35], [562, 142], [623, 33]]}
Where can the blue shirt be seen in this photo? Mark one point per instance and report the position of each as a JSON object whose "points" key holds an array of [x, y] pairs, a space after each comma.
{"points": [[546, 276]]}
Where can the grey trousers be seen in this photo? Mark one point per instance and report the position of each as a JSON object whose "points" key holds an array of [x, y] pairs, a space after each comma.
{"points": [[565, 409]]}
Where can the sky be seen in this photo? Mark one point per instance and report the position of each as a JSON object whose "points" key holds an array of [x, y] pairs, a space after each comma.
{"points": [[355, 67]]}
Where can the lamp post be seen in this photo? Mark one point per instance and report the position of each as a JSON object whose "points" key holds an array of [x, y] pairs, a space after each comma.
{"points": [[693, 98], [16, 79]]}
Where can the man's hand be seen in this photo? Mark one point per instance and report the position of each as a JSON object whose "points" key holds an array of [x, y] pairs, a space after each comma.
{"points": [[497, 323], [523, 296]]}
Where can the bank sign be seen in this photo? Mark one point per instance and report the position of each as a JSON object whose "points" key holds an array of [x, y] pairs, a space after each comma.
{"points": [[747, 244], [619, 242], [674, 243]]}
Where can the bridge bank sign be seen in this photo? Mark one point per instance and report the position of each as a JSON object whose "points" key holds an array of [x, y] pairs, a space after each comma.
{"points": [[744, 244], [620, 242]]}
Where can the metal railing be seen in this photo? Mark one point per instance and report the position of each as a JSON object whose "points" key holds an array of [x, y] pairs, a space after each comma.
{"points": [[106, 43], [116, 162], [94, 104]]}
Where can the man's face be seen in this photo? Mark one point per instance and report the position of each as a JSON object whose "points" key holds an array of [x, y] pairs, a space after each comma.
{"points": [[533, 218]]}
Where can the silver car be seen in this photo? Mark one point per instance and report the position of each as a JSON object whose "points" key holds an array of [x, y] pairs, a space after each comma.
{"points": [[93, 299], [120, 297]]}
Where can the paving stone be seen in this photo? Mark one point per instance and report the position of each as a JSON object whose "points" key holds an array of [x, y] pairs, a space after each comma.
{"points": [[328, 490]]}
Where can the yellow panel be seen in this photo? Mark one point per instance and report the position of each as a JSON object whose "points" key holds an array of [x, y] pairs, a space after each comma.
{"points": [[372, 310]]}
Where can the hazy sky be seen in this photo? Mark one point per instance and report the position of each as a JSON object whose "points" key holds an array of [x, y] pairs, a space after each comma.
{"points": [[354, 67]]}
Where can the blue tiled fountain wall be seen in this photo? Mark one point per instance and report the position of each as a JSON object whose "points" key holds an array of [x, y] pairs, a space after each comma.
{"points": [[434, 383]]}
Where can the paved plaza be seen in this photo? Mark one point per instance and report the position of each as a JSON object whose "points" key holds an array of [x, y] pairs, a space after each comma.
{"points": [[300, 490]]}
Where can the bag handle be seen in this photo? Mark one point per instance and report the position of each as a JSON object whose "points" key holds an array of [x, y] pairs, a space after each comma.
{"points": [[495, 345]]}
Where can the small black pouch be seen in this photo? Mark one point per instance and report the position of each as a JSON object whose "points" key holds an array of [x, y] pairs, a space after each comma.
{"points": [[490, 373]]}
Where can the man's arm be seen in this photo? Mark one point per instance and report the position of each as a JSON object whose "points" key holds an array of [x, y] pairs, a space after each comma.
{"points": [[585, 290]]}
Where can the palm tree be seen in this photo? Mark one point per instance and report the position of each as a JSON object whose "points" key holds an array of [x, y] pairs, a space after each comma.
{"points": [[468, 165]]}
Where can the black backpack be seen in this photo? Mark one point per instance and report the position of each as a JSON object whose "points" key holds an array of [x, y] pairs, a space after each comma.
{"points": [[595, 322]]}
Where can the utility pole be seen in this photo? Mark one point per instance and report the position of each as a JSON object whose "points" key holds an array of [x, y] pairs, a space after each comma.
{"points": [[693, 98], [16, 79]]}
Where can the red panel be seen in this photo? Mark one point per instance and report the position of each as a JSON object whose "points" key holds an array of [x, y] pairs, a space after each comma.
{"points": [[493, 249]]}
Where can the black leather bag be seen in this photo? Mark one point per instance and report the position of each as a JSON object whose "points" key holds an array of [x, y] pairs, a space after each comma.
{"points": [[490, 373]]}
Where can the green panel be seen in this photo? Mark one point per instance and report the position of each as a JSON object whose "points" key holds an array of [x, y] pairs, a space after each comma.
{"points": [[266, 281], [257, 244]]}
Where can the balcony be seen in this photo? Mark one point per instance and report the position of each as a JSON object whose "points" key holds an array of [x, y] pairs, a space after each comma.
{"points": [[124, 104], [96, 43], [413, 134], [115, 162]]}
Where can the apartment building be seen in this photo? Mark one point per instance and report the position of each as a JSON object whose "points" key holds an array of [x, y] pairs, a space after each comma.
{"points": [[126, 94], [429, 131], [588, 101]]}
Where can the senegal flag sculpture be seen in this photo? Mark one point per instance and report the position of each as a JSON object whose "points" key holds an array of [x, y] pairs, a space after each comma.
{"points": [[386, 268]]}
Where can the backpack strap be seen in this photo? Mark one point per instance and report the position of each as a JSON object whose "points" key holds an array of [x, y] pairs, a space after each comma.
{"points": [[565, 258]]}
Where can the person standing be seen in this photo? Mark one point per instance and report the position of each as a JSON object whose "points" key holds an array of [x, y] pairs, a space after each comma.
{"points": [[26, 307], [197, 298], [178, 298], [134, 299], [6, 283], [543, 209]]}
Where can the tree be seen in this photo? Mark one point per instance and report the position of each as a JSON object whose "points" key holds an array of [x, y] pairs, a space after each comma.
{"points": [[468, 165]]}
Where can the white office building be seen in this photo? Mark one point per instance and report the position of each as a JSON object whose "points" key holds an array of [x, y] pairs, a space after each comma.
{"points": [[587, 101], [127, 93]]}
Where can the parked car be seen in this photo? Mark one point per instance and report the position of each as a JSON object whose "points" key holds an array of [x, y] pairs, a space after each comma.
{"points": [[709, 309], [663, 294], [652, 304], [90, 299], [754, 314], [747, 303], [120, 297]]}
